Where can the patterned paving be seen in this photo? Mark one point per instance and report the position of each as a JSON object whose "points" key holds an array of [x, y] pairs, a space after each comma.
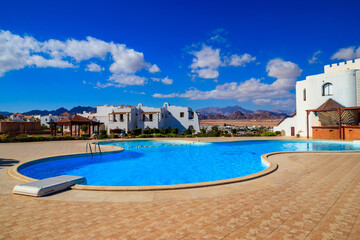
{"points": [[323, 202]]}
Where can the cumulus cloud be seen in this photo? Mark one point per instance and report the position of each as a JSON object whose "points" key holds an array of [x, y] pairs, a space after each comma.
{"points": [[154, 69], [122, 80], [347, 53], [286, 73], [166, 80], [314, 58], [252, 89], [206, 62], [277, 102], [93, 67], [241, 60], [17, 52]]}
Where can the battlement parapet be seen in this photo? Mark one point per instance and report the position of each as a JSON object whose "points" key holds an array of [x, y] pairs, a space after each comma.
{"points": [[348, 65]]}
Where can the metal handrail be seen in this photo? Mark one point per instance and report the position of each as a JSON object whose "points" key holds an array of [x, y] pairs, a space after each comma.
{"points": [[88, 144], [98, 146]]}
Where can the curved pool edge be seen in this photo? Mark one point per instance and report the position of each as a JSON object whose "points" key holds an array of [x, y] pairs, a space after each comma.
{"points": [[14, 170]]}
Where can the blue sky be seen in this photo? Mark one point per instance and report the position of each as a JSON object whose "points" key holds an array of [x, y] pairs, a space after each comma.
{"points": [[191, 53]]}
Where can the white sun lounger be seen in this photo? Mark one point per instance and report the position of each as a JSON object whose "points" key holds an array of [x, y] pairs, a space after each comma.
{"points": [[48, 185]]}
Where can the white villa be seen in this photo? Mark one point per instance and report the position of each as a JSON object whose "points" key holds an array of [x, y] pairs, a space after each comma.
{"points": [[322, 98], [52, 118], [128, 117]]}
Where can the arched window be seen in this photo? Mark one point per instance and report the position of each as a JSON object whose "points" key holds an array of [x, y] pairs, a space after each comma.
{"points": [[304, 93], [327, 89]]}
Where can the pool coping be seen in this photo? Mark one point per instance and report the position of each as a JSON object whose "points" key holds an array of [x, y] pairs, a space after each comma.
{"points": [[14, 172]]}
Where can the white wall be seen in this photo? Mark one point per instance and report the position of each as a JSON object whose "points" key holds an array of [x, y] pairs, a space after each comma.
{"points": [[343, 78]]}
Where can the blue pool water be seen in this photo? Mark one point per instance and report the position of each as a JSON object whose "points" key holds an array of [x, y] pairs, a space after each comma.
{"points": [[167, 163]]}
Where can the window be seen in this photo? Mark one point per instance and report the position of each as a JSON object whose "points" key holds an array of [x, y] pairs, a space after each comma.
{"points": [[121, 117], [150, 117], [182, 114], [327, 89], [191, 115], [304, 93], [143, 117]]}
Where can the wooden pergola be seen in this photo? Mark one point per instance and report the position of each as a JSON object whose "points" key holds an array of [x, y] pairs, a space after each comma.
{"points": [[74, 121], [344, 116]]}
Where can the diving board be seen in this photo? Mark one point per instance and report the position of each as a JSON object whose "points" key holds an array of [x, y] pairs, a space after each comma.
{"points": [[48, 185]]}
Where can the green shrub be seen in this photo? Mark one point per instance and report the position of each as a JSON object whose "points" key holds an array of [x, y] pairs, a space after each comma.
{"points": [[278, 133], [146, 131], [159, 135], [269, 134], [165, 131], [44, 127], [257, 134], [39, 138], [173, 135], [145, 136], [174, 131], [137, 131]]}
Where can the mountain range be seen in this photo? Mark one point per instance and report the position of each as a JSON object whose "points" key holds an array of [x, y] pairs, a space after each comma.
{"points": [[239, 113], [59, 111]]}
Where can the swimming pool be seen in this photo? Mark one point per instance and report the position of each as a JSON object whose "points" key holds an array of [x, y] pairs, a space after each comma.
{"points": [[149, 163]]}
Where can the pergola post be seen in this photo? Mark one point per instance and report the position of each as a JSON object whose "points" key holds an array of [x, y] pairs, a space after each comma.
{"points": [[89, 129], [307, 123], [339, 111], [62, 130], [70, 129]]}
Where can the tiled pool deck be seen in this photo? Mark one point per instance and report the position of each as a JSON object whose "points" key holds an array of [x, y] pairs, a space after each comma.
{"points": [[310, 196]]}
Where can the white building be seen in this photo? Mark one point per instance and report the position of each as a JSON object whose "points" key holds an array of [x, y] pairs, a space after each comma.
{"points": [[339, 82], [52, 118], [127, 117]]}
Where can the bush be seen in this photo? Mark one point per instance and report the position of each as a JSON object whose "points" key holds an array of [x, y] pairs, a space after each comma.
{"points": [[257, 134], [137, 131], [269, 134], [278, 133], [159, 135], [154, 131], [145, 136], [146, 131], [44, 127], [39, 138], [165, 131], [3, 137], [173, 135], [174, 131]]}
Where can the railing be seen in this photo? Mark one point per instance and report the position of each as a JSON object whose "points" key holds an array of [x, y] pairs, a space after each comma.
{"points": [[88, 145], [97, 147]]}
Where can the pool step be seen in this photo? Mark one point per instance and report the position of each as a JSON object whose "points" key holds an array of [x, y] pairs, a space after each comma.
{"points": [[48, 185]]}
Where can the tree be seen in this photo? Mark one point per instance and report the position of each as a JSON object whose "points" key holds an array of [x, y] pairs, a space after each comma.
{"points": [[175, 131], [2, 117], [84, 128]]}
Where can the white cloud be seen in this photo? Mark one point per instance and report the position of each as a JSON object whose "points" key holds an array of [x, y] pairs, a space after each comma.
{"points": [[286, 73], [165, 80], [241, 60], [127, 79], [126, 60], [206, 62], [93, 67], [18, 52], [252, 89], [285, 103], [347, 53], [154, 68], [314, 58]]}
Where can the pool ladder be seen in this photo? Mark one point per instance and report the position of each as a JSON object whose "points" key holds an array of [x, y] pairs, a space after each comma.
{"points": [[97, 146]]}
